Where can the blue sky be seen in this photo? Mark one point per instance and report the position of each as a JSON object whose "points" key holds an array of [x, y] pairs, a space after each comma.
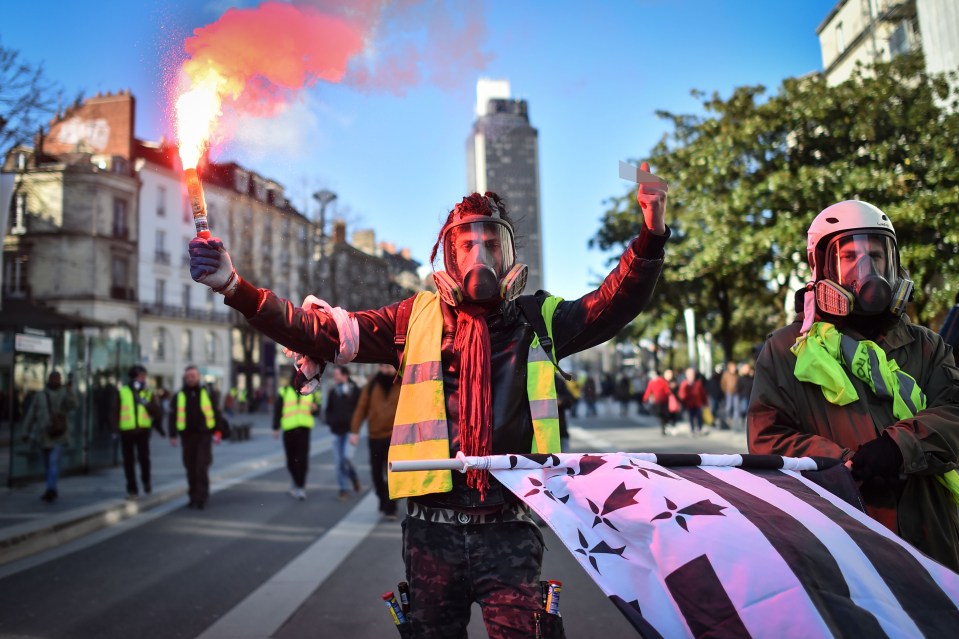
{"points": [[594, 73]]}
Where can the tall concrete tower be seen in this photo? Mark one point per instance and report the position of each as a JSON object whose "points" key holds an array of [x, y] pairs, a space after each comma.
{"points": [[502, 155]]}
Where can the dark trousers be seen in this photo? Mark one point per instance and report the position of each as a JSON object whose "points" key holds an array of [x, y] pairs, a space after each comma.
{"points": [[379, 448], [449, 566], [296, 443], [197, 457], [135, 446]]}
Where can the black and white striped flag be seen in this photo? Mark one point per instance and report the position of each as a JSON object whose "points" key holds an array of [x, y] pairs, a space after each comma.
{"points": [[730, 550]]}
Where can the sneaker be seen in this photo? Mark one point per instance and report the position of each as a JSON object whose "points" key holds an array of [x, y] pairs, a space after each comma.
{"points": [[294, 492], [343, 496], [356, 484], [132, 496], [49, 496], [300, 494], [147, 488]]}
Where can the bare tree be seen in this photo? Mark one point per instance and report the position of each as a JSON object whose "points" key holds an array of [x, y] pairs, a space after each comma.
{"points": [[27, 98]]}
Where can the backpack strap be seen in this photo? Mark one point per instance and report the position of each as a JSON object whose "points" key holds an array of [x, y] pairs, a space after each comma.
{"points": [[531, 306], [403, 312]]}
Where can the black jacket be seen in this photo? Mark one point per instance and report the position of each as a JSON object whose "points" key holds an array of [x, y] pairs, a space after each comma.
{"points": [[577, 325], [340, 405]]}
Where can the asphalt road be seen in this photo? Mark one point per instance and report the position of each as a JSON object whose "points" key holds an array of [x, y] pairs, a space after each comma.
{"points": [[179, 573]]}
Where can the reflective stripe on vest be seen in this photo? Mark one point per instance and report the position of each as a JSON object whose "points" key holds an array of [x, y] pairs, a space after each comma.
{"points": [[206, 407], [541, 387], [420, 429], [297, 409], [127, 421]]}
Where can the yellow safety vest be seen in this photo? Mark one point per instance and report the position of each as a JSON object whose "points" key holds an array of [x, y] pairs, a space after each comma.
{"points": [[206, 407], [127, 421], [297, 409], [420, 430]]}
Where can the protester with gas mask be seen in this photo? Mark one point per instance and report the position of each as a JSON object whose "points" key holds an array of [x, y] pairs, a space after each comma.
{"points": [[474, 357], [139, 412], [852, 378]]}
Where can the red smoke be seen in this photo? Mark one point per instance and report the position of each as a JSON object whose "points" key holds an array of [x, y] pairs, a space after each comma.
{"points": [[268, 52]]}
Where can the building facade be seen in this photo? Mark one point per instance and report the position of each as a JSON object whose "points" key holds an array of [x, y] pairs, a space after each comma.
{"points": [[502, 156], [870, 31]]}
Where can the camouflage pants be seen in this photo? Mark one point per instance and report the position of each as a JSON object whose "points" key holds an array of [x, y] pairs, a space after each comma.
{"points": [[449, 566]]}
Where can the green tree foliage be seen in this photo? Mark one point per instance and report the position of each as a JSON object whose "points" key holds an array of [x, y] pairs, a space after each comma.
{"points": [[748, 176], [27, 99]]}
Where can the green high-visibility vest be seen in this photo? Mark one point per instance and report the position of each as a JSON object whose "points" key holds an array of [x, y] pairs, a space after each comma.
{"points": [[206, 407], [130, 420], [420, 430], [297, 409]]}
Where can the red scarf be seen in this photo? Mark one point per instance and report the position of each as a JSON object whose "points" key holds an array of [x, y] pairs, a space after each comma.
{"points": [[475, 390]]}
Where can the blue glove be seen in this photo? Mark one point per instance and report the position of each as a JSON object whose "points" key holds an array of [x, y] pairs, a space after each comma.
{"points": [[211, 265]]}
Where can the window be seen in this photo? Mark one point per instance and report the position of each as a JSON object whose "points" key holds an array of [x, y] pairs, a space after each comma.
{"points": [[209, 346], [899, 40], [120, 226], [187, 341], [120, 271], [160, 292], [21, 161], [161, 201], [161, 256], [160, 339], [840, 39], [186, 296], [15, 276], [19, 226]]}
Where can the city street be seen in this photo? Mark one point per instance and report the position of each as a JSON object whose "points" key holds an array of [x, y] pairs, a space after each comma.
{"points": [[257, 563]]}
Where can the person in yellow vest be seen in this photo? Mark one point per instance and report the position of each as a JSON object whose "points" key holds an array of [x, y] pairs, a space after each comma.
{"points": [[477, 363], [195, 420], [852, 378], [139, 412], [295, 416]]}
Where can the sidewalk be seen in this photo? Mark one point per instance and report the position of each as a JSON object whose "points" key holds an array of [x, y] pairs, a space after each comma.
{"points": [[95, 500]]}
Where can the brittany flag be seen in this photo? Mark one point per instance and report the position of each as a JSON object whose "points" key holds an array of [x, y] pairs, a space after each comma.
{"points": [[733, 545]]}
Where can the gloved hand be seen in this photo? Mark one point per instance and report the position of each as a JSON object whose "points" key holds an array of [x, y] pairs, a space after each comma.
{"points": [[652, 201], [877, 462], [211, 265]]}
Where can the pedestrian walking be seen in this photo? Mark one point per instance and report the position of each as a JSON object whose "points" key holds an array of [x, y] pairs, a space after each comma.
{"points": [[139, 412], [295, 416], [340, 406], [195, 420], [47, 422], [377, 407], [467, 352]]}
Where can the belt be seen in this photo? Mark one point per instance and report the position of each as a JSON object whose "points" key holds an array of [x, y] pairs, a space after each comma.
{"points": [[508, 513]]}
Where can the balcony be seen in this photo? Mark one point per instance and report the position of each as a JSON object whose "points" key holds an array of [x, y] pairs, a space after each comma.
{"points": [[168, 310], [121, 232], [122, 293]]}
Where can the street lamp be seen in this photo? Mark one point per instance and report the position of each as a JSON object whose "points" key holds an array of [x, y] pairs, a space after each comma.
{"points": [[323, 198]]}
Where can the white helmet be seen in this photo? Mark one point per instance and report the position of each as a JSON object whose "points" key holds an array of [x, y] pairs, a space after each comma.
{"points": [[852, 251], [849, 215]]}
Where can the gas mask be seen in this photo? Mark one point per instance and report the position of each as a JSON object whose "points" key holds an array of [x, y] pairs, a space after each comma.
{"points": [[861, 276], [480, 263]]}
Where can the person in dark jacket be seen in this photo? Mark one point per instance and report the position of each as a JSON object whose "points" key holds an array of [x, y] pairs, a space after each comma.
{"points": [[466, 362], [564, 401], [340, 406], [377, 407], [195, 420], [47, 422], [852, 378]]}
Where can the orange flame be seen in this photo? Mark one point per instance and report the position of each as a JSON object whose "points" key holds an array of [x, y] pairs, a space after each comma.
{"points": [[241, 62]]}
